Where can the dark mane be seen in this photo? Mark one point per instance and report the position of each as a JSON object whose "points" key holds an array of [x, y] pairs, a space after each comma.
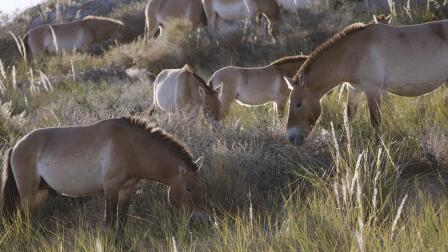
{"points": [[289, 59], [172, 143], [190, 70], [338, 37]]}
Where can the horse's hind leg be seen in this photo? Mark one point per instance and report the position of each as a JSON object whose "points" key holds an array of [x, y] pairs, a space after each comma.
{"points": [[28, 187]]}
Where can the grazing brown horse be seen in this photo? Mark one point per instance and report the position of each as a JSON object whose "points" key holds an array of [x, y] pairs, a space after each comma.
{"points": [[373, 59], [176, 89], [73, 36], [256, 85], [236, 10], [109, 158], [159, 12]]}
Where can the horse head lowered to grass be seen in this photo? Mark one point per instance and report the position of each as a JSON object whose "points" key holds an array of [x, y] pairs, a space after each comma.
{"points": [[373, 59], [109, 158]]}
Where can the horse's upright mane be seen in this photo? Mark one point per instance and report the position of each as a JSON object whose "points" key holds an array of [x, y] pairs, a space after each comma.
{"points": [[190, 70], [103, 18], [289, 59], [338, 37], [172, 143]]}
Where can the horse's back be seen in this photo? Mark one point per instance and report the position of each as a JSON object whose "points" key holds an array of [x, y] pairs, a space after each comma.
{"points": [[408, 60]]}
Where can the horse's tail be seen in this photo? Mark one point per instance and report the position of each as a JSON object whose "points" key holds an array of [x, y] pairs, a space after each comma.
{"points": [[9, 194]]}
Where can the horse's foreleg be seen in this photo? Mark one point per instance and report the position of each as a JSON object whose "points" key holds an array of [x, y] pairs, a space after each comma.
{"points": [[354, 97], [374, 102], [124, 199], [110, 207]]}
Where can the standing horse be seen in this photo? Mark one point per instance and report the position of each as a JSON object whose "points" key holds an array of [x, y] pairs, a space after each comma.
{"points": [[109, 157], [159, 12], [175, 89], [232, 10], [373, 58], [257, 85], [77, 35]]}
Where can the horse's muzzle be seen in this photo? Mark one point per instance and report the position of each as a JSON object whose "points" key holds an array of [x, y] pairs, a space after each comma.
{"points": [[296, 136], [197, 216]]}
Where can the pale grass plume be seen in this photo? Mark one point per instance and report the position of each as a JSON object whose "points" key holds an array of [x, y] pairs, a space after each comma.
{"points": [[99, 245], [2, 70], [73, 70], [48, 87], [347, 132], [147, 35], [20, 46], [336, 146], [14, 76], [55, 39], [2, 87], [174, 244], [375, 180], [392, 8], [359, 235], [397, 217]]}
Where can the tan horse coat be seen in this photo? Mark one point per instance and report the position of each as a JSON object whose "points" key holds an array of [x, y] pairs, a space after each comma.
{"points": [[257, 85], [236, 10], [109, 157], [159, 12], [179, 89], [373, 58], [72, 36]]}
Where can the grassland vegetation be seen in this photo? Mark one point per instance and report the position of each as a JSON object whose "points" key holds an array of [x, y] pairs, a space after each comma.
{"points": [[263, 193]]}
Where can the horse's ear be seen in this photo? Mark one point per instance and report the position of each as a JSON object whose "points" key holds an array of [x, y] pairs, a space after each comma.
{"points": [[202, 92], [199, 162], [289, 82], [182, 170]]}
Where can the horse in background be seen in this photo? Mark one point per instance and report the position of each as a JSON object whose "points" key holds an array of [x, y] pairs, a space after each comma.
{"points": [[256, 85], [237, 10], [178, 89], [160, 12], [73, 36]]}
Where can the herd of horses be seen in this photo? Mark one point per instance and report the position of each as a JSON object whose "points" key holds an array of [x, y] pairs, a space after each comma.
{"points": [[111, 156]]}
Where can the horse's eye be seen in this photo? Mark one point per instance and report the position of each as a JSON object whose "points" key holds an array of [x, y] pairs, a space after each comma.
{"points": [[189, 189], [299, 105]]}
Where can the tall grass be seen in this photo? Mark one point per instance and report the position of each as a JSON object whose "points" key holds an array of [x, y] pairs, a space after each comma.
{"points": [[263, 193]]}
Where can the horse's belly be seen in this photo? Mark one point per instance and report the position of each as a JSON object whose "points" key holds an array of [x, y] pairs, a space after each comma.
{"points": [[250, 97], [417, 83], [71, 177], [234, 11], [412, 88]]}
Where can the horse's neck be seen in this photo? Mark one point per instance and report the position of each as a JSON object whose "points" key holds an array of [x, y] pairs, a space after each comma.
{"points": [[322, 80], [160, 165], [289, 69], [193, 87]]}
